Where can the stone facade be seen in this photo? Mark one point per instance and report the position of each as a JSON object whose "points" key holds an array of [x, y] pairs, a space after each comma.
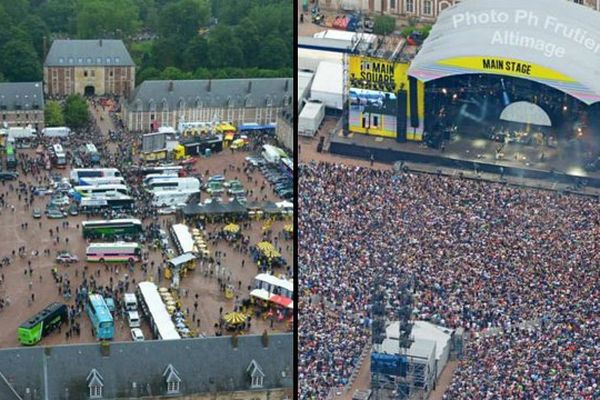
{"points": [[424, 10], [139, 121], [63, 81]]}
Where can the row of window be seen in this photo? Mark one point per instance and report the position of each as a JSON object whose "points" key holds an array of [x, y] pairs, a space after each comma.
{"points": [[89, 60], [409, 6], [86, 73], [18, 116]]}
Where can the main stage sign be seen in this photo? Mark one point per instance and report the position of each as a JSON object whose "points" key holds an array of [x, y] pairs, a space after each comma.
{"points": [[504, 66], [371, 73]]}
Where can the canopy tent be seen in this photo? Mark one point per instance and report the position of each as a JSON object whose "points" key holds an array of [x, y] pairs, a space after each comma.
{"points": [[182, 259], [561, 49]]}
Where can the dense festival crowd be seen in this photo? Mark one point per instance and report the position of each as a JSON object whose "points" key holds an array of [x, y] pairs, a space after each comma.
{"points": [[484, 256]]}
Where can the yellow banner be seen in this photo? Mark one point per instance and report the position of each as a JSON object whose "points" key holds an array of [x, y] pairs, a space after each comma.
{"points": [[367, 71], [506, 66]]}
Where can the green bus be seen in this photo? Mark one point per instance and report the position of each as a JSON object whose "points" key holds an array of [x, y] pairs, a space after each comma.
{"points": [[114, 228], [41, 324]]}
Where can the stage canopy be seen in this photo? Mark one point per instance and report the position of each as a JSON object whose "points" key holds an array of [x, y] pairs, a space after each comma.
{"points": [[553, 42]]}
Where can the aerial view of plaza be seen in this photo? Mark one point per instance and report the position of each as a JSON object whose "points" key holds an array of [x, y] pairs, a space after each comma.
{"points": [[448, 199], [146, 200]]}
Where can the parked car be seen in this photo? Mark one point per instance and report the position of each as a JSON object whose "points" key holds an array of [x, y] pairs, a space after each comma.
{"points": [[8, 175], [60, 201], [73, 210], [37, 213], [137, 335], [42, 191], [64, 257], [54, 213]]}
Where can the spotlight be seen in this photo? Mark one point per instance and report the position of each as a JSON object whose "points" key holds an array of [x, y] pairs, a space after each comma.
{"points": [[564, 108], [444, 91]]}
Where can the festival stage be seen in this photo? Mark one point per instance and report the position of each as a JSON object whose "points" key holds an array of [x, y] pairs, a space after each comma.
{"points": [[560, 163]]}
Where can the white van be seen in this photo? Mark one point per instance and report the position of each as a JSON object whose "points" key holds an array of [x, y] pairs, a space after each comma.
{"points": [[130, 302], [134, 319]]}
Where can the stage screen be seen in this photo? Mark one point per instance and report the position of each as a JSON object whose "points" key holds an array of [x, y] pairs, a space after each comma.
{"points": [[373, 112]]}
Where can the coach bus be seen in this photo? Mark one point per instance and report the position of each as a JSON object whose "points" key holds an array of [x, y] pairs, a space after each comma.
{"points": [[113, 228], [95, 191], [102, 320], [60, 158], [167, 198], [275, 290], [89, 205], [78, 173], [42, 323], [167, 175], [113, 252], [11, 158], [108, 180], [154, 308], [162, 170], [174, 184]]}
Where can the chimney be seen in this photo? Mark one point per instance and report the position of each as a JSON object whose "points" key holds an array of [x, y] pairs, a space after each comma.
{"points": [[265, 339], [170, 86], [249, 86], [100, 42], [209, 85], [287, 82]]}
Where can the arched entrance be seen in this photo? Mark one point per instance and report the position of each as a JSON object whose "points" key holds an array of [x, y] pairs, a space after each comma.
{"points": [[89, 90]]}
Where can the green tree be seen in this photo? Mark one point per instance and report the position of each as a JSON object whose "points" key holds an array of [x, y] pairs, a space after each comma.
{"points": [[173, 73], [54, 114], [107, 18], [37, 29], [224, 49], [59, 15], [384, 24], [149, 73], [19, 62], [183, 19], [76, 112], [274, 53]]}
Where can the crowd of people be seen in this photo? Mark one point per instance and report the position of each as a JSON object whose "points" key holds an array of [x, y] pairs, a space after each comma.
{"points": [[483, 256]]}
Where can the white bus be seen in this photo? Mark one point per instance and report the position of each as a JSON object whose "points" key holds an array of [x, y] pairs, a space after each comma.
{"points": [[178, 169], [108, 180], [56, 132], [90, 191], [166, 198], [113, 252], [156, 311], [60, 158], [167, 175], [270, 288], [78, 173], [183, 238], [95, 204], [156, 185]]}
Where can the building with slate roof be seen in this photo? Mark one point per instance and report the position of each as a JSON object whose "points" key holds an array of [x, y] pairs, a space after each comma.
{"points": [[91, 67], [22, 104], [166, 103], [200, 368]]}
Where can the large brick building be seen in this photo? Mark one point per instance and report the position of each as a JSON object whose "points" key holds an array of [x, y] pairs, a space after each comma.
{"points": [[90, 67], [233, 100], [425, 10], [22, 104]]}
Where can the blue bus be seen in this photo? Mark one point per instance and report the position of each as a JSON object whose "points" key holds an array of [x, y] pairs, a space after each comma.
{"points": [[102, 320]]}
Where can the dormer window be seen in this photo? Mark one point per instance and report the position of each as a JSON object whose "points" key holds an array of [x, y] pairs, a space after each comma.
{"points": [[269, 101], [172, 379], [95, 384], [256, 375]]}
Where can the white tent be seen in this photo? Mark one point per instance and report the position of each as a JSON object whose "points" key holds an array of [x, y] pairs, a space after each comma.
{"points": [[426, 331], [309, 59], [328, 85], [21, 133], [304, 81], [310, 118]]}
